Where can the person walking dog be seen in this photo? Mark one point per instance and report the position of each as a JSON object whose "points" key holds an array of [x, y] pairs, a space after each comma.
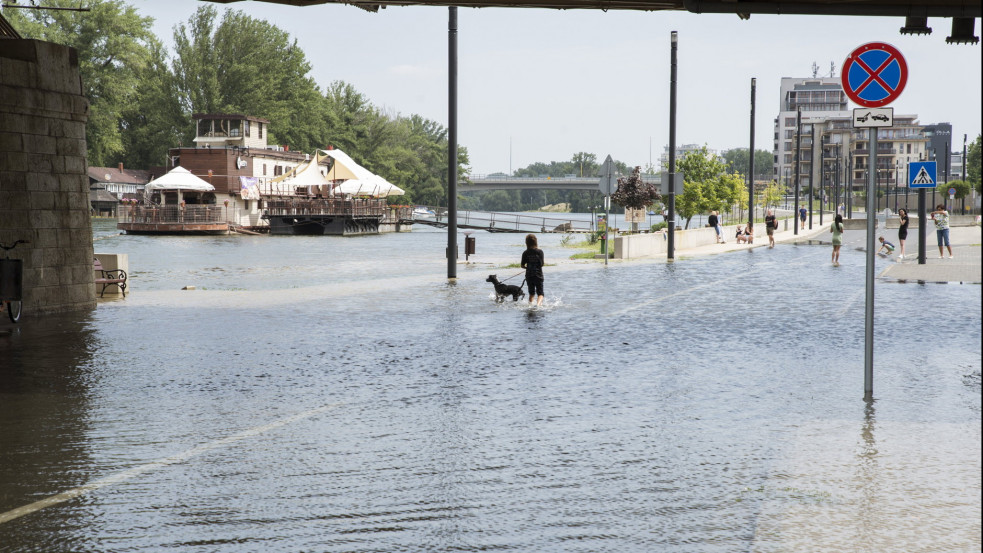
{"points": [[532, 261]]}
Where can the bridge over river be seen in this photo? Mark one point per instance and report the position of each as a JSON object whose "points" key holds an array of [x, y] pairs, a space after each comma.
{"points": [[492, 221], [505, 182]]}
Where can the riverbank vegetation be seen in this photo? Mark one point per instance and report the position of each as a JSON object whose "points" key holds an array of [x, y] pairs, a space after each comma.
{"points": [[142, 95]]}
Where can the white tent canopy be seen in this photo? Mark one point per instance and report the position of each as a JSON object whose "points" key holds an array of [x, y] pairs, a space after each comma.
{"points": [[359, 181], [179, 178], [374, 186]]}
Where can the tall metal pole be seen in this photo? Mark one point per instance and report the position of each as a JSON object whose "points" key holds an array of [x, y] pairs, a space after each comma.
{"points": [[945, 174], [848, 188], [869, 285], [671, 204], [964, 172], [798, 143], [812, 172], [897, 166], [823, 185], [750, 171], [452, 142]]}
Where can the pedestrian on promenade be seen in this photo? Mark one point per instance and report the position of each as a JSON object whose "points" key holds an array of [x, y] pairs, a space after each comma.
{"points": [[837, 230], [886, 248], [902, 230], [714, 221], [771, 224], [749, 233], [941, 218], [532, 261], [741, 237], [802, 215]]}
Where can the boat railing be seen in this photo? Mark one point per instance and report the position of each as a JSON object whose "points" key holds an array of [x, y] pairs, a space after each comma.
{"points": [[207, 213], [356, 207]]}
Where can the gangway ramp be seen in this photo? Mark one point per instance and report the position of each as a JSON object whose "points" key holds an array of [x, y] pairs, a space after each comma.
{"points": [[493, 221]]}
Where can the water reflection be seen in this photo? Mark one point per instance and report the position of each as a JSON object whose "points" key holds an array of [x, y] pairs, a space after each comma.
{"points": [[868, 482], [46, 382]]}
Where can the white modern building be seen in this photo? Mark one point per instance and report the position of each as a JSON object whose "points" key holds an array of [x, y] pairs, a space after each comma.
{"points": [[817, 98]]}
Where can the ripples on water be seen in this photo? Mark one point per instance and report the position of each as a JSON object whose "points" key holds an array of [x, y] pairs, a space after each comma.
{"points": [[710, 405]]}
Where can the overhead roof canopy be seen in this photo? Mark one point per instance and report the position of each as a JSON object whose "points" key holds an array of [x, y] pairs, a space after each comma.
{"points": [[902, 8]]}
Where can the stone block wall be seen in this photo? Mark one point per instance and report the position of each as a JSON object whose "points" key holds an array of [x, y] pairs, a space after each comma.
{"points": [[44, 189]]}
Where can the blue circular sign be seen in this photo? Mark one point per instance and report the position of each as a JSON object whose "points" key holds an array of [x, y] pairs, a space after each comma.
{"points": [[874, 74]]}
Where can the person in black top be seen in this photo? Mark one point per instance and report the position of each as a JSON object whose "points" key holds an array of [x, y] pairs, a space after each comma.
{"points": [[902, 230], [714, 221], [771, 223], [533, 261]]}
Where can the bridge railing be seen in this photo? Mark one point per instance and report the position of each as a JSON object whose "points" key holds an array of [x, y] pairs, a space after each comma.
{"points": [[494, 221]]}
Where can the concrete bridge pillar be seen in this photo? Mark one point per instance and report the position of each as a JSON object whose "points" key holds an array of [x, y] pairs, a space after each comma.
{"points": [[44, 189]]}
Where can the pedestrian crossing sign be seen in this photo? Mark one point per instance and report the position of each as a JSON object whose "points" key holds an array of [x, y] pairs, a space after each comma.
{"points": [[922, 174]]}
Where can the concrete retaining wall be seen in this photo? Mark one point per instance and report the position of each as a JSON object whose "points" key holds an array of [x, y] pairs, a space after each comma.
{"points": [[651, 244], [44, 189]]}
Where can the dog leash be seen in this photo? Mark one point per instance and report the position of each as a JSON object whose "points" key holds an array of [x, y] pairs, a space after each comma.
{"points": [[513, 276]]}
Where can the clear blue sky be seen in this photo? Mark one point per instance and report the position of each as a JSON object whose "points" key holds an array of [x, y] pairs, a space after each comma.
{"points": [[552, 83]]}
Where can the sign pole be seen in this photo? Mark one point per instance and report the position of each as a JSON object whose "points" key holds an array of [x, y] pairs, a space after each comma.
{"points": [[869, 285], [922, 220], [607, 227]]}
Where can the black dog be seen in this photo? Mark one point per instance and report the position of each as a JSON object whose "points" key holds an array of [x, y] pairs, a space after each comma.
{"points": [[502, 290]]}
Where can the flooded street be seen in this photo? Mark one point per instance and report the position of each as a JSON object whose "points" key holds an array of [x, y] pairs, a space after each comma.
{"points": [[332, 394]]}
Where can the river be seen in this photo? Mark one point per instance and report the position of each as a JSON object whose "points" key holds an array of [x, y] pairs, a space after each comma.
{"points": [[338, 394]]}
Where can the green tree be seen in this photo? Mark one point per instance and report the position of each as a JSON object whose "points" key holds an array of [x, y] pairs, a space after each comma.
{"points": [[586, 163], [249, 66], [973, 165], [113, 44], [155, 120], [703, 189], [736, 161], [963, 188], [772, 195]]}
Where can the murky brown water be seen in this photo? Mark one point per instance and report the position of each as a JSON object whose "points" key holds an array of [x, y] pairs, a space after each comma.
{"points": [[339, 395]]}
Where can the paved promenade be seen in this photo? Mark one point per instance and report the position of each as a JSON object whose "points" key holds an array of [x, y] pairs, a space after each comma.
{"points": [[965, 266]]}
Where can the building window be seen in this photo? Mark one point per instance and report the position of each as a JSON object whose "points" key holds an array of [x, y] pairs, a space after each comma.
{"points": [[909, 148], [249, 126], [264, 169], [261, 130]]}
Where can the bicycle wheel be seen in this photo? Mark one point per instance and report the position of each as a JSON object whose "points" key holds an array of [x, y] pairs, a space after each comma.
{"points": [[14, 309]]}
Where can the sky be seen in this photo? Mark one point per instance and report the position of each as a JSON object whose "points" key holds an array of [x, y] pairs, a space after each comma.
{"points": [[539, 85]]}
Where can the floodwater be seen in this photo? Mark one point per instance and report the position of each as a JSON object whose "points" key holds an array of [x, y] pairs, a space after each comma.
{"points": [[332, 394]]}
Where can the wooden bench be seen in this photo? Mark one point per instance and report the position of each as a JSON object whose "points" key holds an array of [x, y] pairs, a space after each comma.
{"points": [[109, 277]]}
